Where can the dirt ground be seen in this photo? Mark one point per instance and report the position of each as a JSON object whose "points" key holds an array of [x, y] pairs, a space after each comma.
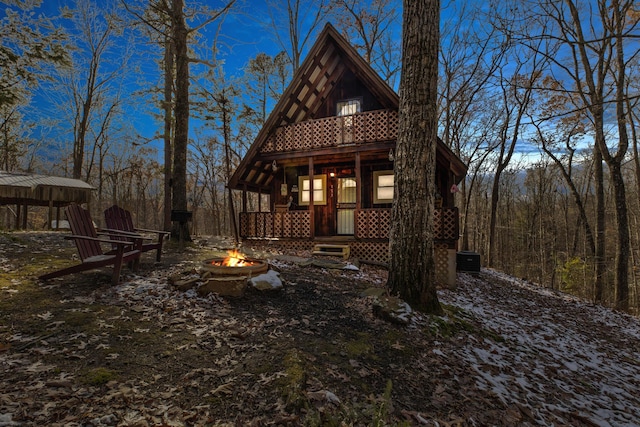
{"points": [[78, 351]]}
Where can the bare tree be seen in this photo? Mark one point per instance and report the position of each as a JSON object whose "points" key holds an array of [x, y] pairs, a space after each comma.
{"points": [[597, 39], [301, 19], [412, 265], [516, 91], [469, 59], [91, 82], [30, 45], [170, 22], [368, 26]]}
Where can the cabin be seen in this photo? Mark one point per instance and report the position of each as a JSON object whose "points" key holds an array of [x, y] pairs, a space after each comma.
{"points": [[322, 164]]}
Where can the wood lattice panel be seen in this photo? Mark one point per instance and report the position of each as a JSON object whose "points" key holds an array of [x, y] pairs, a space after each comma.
{"points": [[441, 255], [445, 224], [392, 125], [306, 135], [321, 131], [268, 226], [275, 224], [269, 145], [370, 126], [370, 251], [373, 223], [288, 138], [359, 128], [244, 225]]}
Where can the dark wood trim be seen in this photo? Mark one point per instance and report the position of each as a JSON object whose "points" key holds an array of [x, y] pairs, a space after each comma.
{"points": [[346, 150]]}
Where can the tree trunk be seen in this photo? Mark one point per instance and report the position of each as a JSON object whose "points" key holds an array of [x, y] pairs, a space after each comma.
{"points": [[168, 120], [412, 265], [615, 166], [601, 266], [622, 248], [181, 109]]}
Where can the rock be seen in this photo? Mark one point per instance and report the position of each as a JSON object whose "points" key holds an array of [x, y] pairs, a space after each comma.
{"points": [[373, 292], [392, 309], [233, 286], [184, 285], [268, 281]]}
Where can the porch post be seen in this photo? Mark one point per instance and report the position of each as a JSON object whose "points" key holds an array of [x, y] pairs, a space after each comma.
{"points": [[311, 209], [50, 214], [58, 217], [25, 214], [244, 198]]}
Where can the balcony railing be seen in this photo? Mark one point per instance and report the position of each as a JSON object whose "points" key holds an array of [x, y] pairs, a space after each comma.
{"points": [[370, 126], [369, 224]]}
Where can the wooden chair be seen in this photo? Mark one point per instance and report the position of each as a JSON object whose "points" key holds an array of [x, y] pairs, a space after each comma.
{"points": [[90, 250], [119, 219]]}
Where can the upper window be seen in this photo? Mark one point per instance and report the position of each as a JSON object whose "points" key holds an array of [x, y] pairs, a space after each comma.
{"points": [[319, 190], [348, 107], [383, 187]]}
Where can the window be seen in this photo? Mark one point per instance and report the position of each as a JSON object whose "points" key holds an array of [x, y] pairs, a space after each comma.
{"points": [[383, 187], [348, 107], [319, 190]]}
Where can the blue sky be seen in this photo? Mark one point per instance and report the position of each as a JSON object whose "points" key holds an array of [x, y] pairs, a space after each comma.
{"points": [[243, 35]]}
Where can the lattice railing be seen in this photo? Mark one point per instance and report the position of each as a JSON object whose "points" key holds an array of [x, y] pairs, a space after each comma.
{"points": [[370, 126], [375, 224], [369, 224], [445, 224], [296, 224]]}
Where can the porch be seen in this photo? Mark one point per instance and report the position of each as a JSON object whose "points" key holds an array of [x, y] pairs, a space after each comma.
{"points": [[293, 231], [369, 224]]}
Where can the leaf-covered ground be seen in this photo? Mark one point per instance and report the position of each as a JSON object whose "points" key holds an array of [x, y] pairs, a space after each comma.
{"points": [[77, 351]]}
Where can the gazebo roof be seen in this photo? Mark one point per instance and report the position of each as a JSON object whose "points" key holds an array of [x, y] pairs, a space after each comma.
{"points": [[42, 190]]}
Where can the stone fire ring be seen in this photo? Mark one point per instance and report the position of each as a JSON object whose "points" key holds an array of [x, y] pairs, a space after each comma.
{"points": [[257, 267]]}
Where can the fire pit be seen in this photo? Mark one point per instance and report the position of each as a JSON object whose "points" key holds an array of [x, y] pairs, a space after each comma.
{"points": [[235, 264], [228, 276]]}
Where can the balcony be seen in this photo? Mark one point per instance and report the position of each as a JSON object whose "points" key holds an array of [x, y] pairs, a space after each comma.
{"points": [[360, 128]]}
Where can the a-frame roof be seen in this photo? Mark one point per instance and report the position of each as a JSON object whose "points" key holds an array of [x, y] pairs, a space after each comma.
{"points": [[327, 61]]}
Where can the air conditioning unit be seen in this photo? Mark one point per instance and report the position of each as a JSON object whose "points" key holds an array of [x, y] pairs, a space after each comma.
{"points": [[468, 262]]}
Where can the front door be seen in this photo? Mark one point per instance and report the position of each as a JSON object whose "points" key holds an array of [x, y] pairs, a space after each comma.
{"points": [[345, 205]]}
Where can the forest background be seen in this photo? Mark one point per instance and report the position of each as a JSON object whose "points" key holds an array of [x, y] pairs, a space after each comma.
{"points": [[538, 97]]}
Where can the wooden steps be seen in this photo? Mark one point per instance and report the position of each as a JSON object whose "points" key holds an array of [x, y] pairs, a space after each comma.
{"points": [[332, 250]]}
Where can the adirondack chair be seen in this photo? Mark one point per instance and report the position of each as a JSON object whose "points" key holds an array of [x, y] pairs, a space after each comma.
{"points": [[120, 219], [89, 246]]}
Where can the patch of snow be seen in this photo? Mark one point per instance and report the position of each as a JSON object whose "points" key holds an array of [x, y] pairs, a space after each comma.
{"points": [[548, 343]]}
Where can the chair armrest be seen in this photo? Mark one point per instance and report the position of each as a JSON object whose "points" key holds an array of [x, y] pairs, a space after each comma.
{"points": [[128, 234], [93, 239], [144, 230]]}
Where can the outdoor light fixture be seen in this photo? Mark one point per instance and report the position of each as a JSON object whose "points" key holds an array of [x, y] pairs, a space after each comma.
{"points": [[274, 166], [391, 154]]}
